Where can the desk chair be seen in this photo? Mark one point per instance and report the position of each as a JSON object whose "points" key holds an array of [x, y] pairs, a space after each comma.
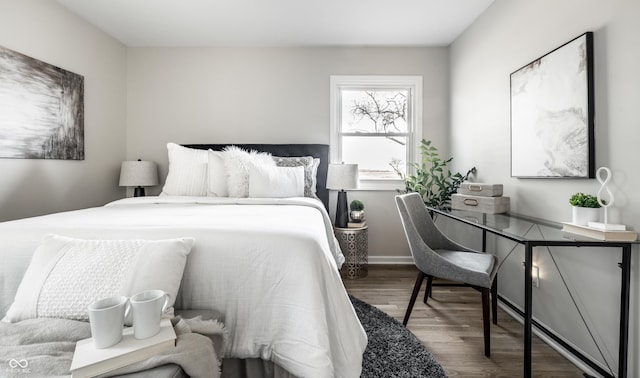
{"points": [[435, 255]]}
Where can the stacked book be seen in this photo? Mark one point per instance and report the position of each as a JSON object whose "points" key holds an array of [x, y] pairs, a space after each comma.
{"points": [[481, 197], [600, 232], [360, 224], [88, 361]]}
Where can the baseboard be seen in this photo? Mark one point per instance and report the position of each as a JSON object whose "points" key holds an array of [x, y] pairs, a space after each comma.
{"points": [[390, 260]]}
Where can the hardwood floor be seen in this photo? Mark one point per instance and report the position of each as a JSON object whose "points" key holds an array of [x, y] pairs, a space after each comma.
{"points": [[450, 326]]}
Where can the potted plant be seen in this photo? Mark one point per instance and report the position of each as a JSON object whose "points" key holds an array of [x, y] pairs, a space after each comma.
{"points": [[432, 179], [357, 211], [585, 208]]}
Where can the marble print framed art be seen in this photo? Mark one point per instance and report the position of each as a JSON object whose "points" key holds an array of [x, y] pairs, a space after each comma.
{"points": [[552, 114]]}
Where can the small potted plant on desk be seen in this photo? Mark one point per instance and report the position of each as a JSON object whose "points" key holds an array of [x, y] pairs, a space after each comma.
{"points": [[357, 211], [585, 207]]}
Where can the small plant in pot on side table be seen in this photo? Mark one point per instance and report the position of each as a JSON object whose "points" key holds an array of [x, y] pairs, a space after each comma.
{"points": [[585, 208], [356, 211]]}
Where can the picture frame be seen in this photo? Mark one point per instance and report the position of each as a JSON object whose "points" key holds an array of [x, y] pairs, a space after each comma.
{"points": [[552, 114], [41, 109]]}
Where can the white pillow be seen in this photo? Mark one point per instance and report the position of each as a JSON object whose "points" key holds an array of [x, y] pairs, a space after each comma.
{"points": [[237, 162], [276, 182], [187, 171], [217, 175], [310, 165], [66, 274]]}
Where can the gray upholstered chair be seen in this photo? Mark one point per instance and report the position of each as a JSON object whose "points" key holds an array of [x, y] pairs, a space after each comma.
{"points": [[435, 255]]}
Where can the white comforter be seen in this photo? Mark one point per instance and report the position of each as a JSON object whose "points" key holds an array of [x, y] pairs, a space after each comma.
{"points": [[269, 265]]}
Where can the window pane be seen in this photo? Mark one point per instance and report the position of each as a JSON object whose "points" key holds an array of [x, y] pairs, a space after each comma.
{"points": [[374, 154], [374, 111]]}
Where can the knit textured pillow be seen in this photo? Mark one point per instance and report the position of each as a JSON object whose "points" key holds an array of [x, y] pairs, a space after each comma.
{"points": [[66, 275]]}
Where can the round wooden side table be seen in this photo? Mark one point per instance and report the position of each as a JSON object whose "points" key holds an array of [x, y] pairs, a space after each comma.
{"points": [[354, 243]]}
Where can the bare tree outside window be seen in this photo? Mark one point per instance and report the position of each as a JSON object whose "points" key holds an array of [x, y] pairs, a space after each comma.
{"points": [[376, 121], [375, 129], [387, 111]]}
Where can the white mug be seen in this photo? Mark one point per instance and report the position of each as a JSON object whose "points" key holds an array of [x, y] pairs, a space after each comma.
{"points": [[106, 318], [147, 308]]}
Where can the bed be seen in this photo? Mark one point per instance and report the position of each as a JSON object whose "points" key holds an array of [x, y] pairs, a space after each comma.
{"points": [[269, 265]]}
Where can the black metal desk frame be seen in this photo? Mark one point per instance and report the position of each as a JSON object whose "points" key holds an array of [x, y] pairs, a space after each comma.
{"points": [[529, 245]]}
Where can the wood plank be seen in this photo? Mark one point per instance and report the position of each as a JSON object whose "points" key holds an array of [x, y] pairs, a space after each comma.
{"points": [[450, 326]]}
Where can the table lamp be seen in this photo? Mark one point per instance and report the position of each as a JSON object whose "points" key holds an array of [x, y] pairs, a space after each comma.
{"points": [[341, 177], [138, 174]]}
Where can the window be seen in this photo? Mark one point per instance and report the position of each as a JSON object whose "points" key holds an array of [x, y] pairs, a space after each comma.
{"points": [[376, 123]]}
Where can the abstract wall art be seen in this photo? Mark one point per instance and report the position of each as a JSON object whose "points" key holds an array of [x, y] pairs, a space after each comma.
{"points": [[552, 114], [41, 109]]}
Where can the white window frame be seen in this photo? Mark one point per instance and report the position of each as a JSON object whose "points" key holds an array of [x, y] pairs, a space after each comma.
{"points": [[363, 82]]}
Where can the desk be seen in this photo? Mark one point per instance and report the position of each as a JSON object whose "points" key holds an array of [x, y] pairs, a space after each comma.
{"points": [[512, 226]]}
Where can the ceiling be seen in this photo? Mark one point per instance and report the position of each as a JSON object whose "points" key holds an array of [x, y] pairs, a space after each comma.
{"points": [[272, 23]]}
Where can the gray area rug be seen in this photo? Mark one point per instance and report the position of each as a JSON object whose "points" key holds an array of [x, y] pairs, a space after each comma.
{"points": [[392, 351]]}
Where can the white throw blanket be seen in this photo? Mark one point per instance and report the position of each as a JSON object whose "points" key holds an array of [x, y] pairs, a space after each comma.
{"points": [[44, 347]]}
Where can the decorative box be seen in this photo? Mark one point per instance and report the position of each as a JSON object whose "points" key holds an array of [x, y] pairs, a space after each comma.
{"points": [[490, 205], [481, 189]]}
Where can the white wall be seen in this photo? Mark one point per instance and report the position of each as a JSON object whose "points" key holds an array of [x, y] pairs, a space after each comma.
{"points": [[44, 30], [506, 37], [270, 95]]}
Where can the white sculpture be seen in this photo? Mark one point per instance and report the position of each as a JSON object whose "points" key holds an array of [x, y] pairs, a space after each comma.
{"points": [[605, 202]]}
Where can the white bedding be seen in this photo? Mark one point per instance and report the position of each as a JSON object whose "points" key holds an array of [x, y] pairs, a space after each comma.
{"points": [[269, 265]]}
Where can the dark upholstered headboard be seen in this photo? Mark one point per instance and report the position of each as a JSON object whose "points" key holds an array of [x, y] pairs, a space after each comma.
{"points": [[320, 151]]}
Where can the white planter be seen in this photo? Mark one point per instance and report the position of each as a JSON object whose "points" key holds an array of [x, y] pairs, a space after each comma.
{"points": [[584, 215]]}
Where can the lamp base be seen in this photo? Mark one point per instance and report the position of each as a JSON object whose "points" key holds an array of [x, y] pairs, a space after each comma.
{"points": [[138, 192], [342, 213]]}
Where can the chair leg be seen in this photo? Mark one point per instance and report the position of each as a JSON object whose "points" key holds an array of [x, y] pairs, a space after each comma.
{"points": [[494, 299], [427, 291], [486, 322], [414, 295]]}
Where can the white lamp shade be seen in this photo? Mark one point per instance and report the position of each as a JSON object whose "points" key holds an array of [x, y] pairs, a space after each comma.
{"points": [[342, 176], [138, 173]]}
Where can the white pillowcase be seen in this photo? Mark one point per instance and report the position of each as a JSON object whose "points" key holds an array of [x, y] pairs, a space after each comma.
{"points": [[217, 175], [276, 182], [187, 171], [237, 162], [66, 274], [310, 165]]}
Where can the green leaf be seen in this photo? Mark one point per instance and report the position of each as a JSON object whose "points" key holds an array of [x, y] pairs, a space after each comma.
{"points": [[433, 179]]}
